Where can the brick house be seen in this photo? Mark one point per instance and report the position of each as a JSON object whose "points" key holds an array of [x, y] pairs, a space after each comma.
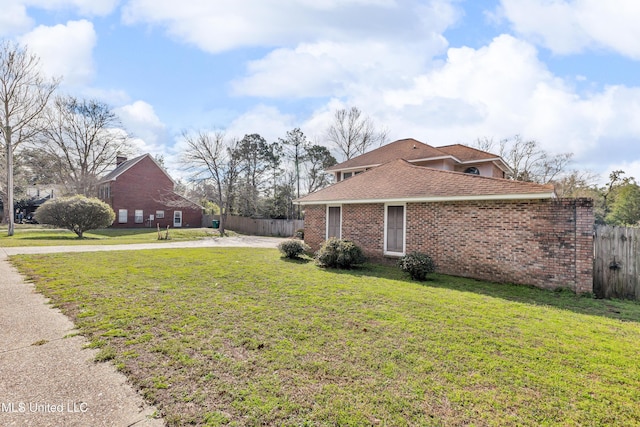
{"points": [[142, 195], [472, 225]]}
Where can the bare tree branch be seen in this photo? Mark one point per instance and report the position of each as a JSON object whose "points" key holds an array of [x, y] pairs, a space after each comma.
{"points": [[527, 160], [353, 133], [82, 138], [212, 162], [24, 94]]}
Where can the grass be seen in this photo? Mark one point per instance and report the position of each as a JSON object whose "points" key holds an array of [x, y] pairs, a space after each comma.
{"points": [[237, 336], [42, 236]]}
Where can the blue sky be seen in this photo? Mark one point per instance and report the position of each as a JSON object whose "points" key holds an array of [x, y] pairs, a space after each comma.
{"points": [[563, 72]]}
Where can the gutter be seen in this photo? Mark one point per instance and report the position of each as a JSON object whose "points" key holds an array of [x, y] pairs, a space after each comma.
{"points": [[431, 199]]}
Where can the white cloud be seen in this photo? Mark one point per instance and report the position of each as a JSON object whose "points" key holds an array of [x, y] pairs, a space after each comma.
{"points": [[498, 91], [83, 7], [140, 120], [14, 18], [265, 120], [568, 27], [64, 50], [229, 24], [334, 69]]}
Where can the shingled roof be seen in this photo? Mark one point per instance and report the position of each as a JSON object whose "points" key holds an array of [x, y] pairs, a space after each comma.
{"points": [[413, 150], [400, 181], [467, 154]]}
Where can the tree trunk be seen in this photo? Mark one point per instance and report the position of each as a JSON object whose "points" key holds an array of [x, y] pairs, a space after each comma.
{"points": [[11, 216]]}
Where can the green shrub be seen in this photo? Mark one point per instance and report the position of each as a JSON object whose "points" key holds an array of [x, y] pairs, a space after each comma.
{"points": [[293, 248], [339, 253], [76, 213], [417, 264]]}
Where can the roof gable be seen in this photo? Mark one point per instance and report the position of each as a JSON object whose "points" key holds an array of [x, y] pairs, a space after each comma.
{"points": [[465, 153], [399, 180], [125, 166]]}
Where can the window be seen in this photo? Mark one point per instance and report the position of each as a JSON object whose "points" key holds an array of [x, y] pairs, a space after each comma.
{"points": [[122, 216], [346, 175], [139, 216], [394, 236], [177, 218], [159, 214], [104, 192], [334, 221]]}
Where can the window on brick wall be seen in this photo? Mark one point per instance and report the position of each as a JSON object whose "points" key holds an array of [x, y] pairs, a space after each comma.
{"points": [[394, 230], [139, 216], [159, 214], [334, 221], [122, 216]]}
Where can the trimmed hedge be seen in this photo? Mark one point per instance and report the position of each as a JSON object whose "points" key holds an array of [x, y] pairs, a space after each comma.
{"points": [[418, 265], [340, 253], [293, 248]]}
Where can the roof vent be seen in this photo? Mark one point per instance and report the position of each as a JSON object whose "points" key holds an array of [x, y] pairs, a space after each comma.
{"points": [[472, 171]]}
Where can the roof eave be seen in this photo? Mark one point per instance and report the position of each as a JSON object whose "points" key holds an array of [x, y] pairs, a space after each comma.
{"points": [[432, 199], [352, 168]]}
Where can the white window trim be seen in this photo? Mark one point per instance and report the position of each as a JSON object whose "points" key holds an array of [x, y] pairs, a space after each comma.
{"points": [[137, 217], [126, 216], [404, 230], [174, 219], [326, 231]]}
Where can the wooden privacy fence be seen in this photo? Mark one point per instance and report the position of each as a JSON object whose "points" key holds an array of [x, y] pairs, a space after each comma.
{"points": [[616, 262], [259, 227]]}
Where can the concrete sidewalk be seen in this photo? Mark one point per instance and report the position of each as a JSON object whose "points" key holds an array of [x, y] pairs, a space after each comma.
{"points": [[46, 377], [237, 241]]}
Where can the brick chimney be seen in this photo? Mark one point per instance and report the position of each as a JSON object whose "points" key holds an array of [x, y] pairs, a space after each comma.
{"points": [[120, 160]]}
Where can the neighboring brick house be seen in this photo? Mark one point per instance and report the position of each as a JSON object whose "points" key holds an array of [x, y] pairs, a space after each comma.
{"points": [[456, 157], [141, 193], [473, 226]]}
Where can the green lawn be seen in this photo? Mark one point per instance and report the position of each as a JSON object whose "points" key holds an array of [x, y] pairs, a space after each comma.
{"points": [[242, 337], [41, 236]]}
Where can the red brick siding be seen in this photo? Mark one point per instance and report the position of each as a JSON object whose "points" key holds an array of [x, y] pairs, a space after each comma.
{"points": [[145, 186], [315, 225], [364, 224], [546, 243]]}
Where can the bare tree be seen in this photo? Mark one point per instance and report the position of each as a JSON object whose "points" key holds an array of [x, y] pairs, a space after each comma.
{"points": [[82, 139], [353, 133], [214, 165], [24, 94], [576, 184], [527, 160]]}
